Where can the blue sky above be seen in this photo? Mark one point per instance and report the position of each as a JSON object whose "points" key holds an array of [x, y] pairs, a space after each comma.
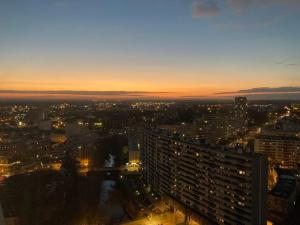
{"points": [[184, 45]]}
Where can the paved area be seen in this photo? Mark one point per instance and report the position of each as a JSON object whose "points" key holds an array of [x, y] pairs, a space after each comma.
{"points": [[163, 219]]}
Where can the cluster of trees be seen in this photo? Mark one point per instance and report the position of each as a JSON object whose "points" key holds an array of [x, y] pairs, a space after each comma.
{"points": [[115, 145]]}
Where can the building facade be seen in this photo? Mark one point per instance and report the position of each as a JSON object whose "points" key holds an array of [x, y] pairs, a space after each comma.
{"points": [[225, 187], [241, 102], [281, 143], [281, 151]]}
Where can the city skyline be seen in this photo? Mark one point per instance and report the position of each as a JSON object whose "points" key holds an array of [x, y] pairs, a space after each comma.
{"points": [[170, 49], [262, 93]]}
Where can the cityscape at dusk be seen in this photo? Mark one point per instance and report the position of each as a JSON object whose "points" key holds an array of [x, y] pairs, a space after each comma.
{"points": [[149, 112]]}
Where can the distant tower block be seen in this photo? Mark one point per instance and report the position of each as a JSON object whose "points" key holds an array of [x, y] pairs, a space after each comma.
{"points": [[241, 102]]}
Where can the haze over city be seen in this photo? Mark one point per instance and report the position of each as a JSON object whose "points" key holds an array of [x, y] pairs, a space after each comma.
{"points": [[182, 49]]}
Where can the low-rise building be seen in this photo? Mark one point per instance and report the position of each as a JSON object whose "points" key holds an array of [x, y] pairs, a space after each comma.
{"points": [[282, 198]]}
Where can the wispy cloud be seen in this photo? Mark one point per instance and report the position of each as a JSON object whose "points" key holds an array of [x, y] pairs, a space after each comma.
{"points": [[206, 8], [288, 62], [243, 5], [264, 90], [261, 93], [202, 8], [281, 62], [265, 93], [83, 93], [195, 96]]}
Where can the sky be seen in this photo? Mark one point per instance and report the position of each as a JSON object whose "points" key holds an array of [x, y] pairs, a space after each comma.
{"points": [[157, 48]]}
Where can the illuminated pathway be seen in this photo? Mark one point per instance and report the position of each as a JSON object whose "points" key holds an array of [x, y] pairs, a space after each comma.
{"points": [[164, 219]]}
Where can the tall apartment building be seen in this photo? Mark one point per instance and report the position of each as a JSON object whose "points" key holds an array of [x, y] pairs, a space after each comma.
{"points": [[214, 127], [241, 101], [224, 123], [281, 143], [225, 187], [240, 115]]}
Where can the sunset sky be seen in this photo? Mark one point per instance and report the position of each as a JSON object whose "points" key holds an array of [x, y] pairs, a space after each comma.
{"points": [[166, 48]]}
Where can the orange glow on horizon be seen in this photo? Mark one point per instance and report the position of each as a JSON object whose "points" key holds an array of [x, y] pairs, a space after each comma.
{"points": [[86, 97], [159, 84]]}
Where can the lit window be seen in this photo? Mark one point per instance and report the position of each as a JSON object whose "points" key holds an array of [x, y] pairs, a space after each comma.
{"points": [[241, 172]]}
